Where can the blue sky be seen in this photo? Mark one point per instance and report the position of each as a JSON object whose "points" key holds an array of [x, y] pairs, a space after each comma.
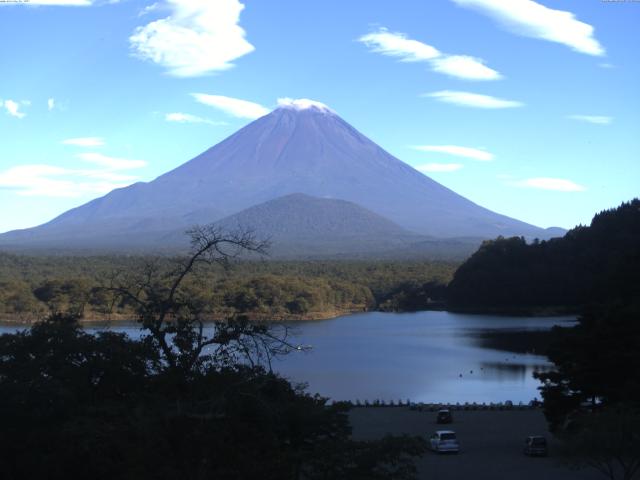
{"points": [[529, 108]]}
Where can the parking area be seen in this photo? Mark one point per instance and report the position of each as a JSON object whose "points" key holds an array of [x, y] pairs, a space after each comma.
{"points": [[491, 443]]}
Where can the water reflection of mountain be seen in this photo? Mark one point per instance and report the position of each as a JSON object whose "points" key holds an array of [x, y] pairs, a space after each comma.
{"points": [[512, 340], [510, 371]]}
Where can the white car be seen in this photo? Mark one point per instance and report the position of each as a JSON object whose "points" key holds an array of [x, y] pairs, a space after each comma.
{"points": [[444, 441]]}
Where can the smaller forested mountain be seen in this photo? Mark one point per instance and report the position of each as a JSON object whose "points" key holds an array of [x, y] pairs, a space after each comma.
{"points": [[303, 225], [300, 216], [593, 264]]}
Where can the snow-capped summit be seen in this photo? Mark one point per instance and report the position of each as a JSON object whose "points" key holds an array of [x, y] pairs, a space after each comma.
{"points": [[303, 104]]}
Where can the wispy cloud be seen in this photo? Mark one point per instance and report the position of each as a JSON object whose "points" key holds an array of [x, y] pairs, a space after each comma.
{"points": [[439, 167], [233, 106], [531, 19], [56, 3], [464, 66], [178, 117], [54, 181], [545, 183], [476, 100], [13, 108], [112, 163], [51, 103], [198, 37], [399, 46], [148, 9], [84, 141], [467, 152], [595, 119], [407, 50], [51, 181]]}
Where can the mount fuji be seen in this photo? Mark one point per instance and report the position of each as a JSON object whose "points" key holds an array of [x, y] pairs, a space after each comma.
{"points": [[301, 147]]}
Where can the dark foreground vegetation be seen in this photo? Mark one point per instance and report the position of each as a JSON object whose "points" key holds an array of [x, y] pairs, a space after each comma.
{"points": [[592, 396], [593, 264], [176, 403], [74, 405], [32, 287]]}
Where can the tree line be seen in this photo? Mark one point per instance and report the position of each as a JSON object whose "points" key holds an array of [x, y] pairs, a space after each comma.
{"points": [[590, 264], [32, 287]]}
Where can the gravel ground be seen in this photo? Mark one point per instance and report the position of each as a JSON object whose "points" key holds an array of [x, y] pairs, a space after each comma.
{"points": [[491, 443]]}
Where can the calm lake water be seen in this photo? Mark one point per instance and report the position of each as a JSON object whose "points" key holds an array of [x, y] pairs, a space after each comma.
{"points": [[423, 356]]}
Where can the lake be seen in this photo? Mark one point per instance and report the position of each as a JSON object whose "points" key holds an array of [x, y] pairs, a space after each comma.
{"points": [[423, 356]]}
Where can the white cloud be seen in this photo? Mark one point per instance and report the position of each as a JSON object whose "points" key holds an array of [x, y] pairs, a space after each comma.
{"points": [[197, 38], [57, 3], [13, 108], [233, 106], [545, 183], [464, 66], [531, 19], [606, 65], [595, 119], [51, 181], [51, 103], [467, 152], [398, 45], [439, 167], [84, 142], [476, 100], [407, 50], [112, 163], [148, 9], [188, 118]]}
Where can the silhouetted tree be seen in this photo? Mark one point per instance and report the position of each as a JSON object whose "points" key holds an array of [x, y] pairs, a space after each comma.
{"points": [[595, 362], [608, 441], [593, 264], [592, 397], [181, 402], [172, 317]]}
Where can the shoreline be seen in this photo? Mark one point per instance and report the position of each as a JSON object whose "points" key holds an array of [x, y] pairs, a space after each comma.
{"points": [[527, 311], [95, 318]]}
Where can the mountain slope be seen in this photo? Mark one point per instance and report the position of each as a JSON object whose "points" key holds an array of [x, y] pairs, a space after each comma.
{"points": [[300, 216], [302, 225], [301, 147]]}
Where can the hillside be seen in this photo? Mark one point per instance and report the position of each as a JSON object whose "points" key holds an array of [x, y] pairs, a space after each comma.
{"points": [[588, 265], [300, 224]]}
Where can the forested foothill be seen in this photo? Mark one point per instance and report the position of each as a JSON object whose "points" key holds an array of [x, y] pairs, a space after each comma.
{"points": [[590, 264]]}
